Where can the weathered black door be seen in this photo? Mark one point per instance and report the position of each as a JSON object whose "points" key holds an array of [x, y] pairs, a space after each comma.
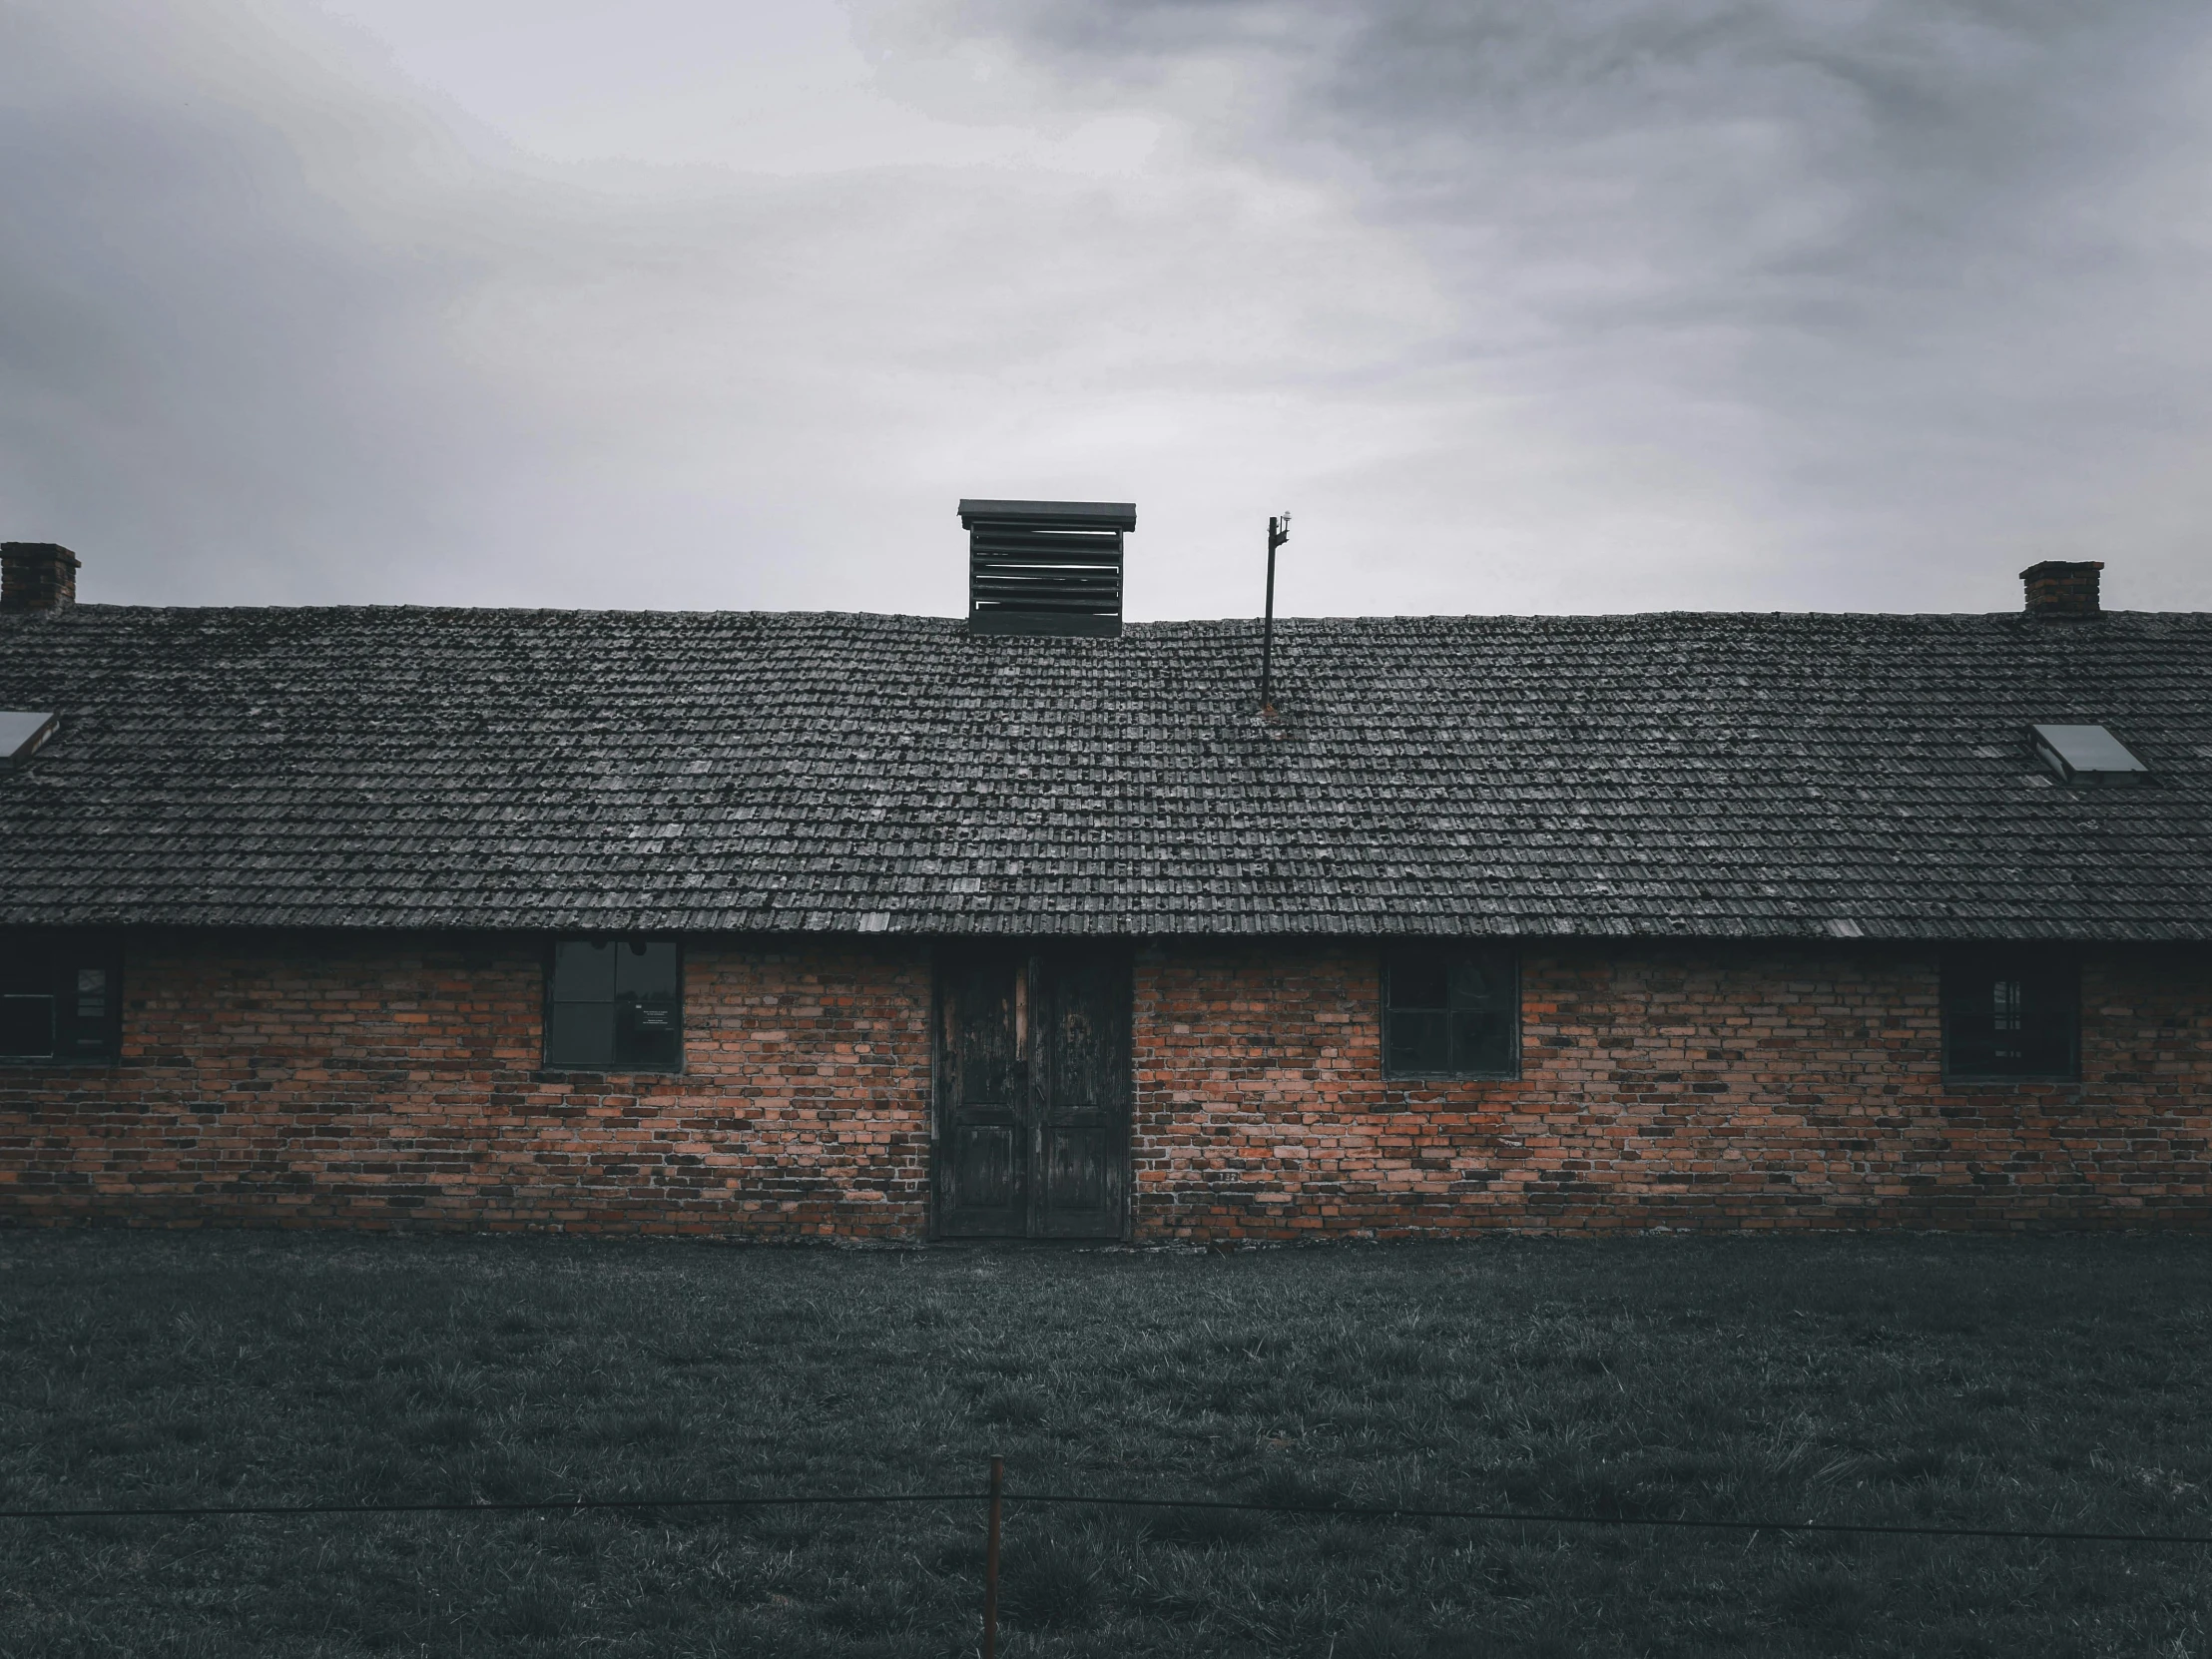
{"points": [[1034, 1093], [982, 1079]]}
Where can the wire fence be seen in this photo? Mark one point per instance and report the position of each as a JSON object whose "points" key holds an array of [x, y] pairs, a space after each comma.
{"points": [[995, 1497], [1340, 1510]]}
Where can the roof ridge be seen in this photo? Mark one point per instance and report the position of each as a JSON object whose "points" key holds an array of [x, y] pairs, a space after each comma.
{"points": [[941, 622]]}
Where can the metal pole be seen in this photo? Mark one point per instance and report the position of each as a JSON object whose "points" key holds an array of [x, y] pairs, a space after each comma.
{"points": [[991, 1560], [1279, 532]]}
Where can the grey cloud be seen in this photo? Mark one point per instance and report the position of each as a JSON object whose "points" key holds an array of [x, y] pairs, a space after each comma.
{"points": [[1542, 308], [1900, 282], [284, 328], [210, 360]]}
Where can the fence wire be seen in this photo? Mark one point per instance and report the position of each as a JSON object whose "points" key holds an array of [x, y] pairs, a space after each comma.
{"points": [[1342, 1511]]}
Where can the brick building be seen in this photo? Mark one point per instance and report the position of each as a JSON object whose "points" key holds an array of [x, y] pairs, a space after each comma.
{"points": [[1030, 924]]}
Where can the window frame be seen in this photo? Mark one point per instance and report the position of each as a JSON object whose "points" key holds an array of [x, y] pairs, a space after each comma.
{"points": [[97, 1041], [615, 1066], [1506, 953], [2056, 970]]}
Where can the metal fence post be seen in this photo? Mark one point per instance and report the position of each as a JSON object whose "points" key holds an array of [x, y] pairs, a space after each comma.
{"points": [[991, 1560]]}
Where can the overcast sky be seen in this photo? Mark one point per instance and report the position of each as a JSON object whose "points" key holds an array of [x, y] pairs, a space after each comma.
{"points": [[1582, 306]]}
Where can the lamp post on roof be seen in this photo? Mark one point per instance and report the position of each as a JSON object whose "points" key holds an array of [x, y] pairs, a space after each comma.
{"points": [[1279, 532]]}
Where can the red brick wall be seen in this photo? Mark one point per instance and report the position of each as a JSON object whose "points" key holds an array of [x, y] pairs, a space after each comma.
{"points": [[1708, 1086], [374, 1083], [333, 1081]]}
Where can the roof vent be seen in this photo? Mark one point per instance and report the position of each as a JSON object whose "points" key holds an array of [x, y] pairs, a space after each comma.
{"points": [[1045, 567], [2087, 755], [20, 733], [37, 576], [2058, 587]]}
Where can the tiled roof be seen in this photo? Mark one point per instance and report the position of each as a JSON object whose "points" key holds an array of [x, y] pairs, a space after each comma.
{"points": [[1687, 775]]}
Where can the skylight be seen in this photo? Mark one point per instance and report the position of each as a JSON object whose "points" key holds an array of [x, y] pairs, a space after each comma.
{"points": [[2088, 755], [21, 731]]}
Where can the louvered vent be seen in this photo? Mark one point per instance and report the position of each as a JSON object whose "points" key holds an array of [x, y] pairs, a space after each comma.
{"points": [[1045, 567]]}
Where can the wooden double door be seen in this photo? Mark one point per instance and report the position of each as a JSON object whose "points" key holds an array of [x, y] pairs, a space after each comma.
{"points": [[1033, 1086]]}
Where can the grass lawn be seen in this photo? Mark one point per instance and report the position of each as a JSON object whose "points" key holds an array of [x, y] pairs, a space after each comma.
{"points": [[2025, 1382]]}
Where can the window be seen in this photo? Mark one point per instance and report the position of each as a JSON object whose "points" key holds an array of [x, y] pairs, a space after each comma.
{"points": [[59, 1002], [615, 1005], [21, 731], [1451, 1013], [2011, 1013], [2087, 755]]}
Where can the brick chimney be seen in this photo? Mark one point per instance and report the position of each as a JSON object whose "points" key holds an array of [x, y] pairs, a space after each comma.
{"points": [[2060, 588], [37, 576]]}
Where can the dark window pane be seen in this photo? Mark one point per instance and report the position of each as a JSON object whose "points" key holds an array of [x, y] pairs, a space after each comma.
{"points": [[2048, 1052], [2005, 1005], [647, 1015], [58, 1000], [645, 970], [1419, 1042], [615, 1004], [1485, 1003], [92, 993], [1420, 982], [2010, 1014], [581, 1034], [1480, 1041], [1451, 1013], [26, 1026], [583, 972], [644, 1035], [1477, 982]]}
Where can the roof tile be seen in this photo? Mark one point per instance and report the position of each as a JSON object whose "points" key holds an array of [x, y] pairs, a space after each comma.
{"points": [[1668, 775]]}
